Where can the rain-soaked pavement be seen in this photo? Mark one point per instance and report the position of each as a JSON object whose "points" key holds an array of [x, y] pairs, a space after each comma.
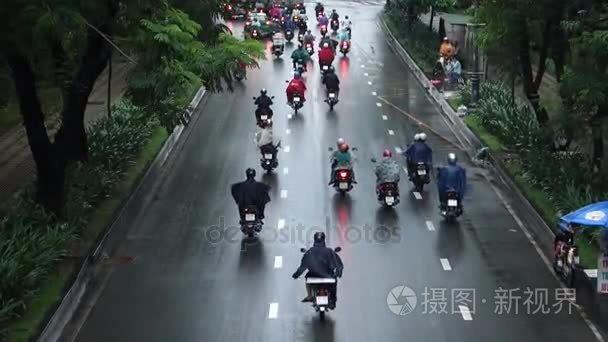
{"points": [[189, 282]]}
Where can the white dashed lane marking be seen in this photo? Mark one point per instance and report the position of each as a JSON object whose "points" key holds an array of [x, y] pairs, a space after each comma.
{"points": [[283, 193], [378, 104], [417, 195], [430, 226], [278, 261], [384, 117], [391, 132], [374, 93], [281, 224], [273, 311], [445, 263], [466, 314], [398, 150], [285, 171], [286, 149]]}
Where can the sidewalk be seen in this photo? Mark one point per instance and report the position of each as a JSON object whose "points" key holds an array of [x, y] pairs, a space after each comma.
{"points": [[17, 167]]}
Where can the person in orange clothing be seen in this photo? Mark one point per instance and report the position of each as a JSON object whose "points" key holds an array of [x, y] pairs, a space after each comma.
{"points": [[296, 85], [446, 50], [326, 55]]}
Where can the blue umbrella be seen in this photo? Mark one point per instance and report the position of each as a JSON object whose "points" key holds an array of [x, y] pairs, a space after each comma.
{"points": [[593, 215]]}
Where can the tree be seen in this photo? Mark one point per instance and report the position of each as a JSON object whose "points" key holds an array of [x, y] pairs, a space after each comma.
{"points": [[440, 5], [584, 87], [69, 41], [413, 9], [522, 25]]}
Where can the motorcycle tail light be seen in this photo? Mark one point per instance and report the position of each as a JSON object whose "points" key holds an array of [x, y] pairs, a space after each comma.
{"points": [[343, 174], [345, 44]]}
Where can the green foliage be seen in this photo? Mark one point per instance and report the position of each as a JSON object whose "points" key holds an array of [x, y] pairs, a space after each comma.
{"points": [[175, 58], [31, 241], [420, 42]]}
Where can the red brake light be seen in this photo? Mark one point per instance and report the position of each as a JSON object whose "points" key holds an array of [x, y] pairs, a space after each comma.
{"points": [[345, 44], [229, 8], [343, 174]]}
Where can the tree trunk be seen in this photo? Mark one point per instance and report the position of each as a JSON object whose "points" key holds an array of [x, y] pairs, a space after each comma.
{"points": [[441, 30], [432, 17], [598, 144], [410, 18], [50, 165], [529, 82]]}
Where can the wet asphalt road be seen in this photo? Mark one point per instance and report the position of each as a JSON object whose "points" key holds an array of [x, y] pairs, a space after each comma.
{"points": [[189, 282]]}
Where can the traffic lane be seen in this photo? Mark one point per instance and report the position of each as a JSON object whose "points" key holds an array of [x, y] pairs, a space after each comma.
{"points": [[183, 277]]}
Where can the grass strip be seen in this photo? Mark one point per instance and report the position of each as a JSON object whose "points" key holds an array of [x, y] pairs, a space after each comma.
{"points": [[58, 282]]}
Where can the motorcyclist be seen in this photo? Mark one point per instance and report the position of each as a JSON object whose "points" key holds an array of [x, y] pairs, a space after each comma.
{"points": [[263, 102], [332, 82], [250, 193], [334, 15], [343, 35], [276, 11], [347, 24], [319, 8], [451, 177], [309, 38], [290, 25], [324, 20], [321, 262], [296, 85], [446, 49], [387, 171], [326, 55], [264, 139], [300, 53], [278, 39], [344, 159], [418, 152], [329, 40]]}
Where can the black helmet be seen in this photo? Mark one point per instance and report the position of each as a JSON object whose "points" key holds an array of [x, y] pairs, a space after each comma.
{"points": [[250, 173], [263, 91], [319, 237]]}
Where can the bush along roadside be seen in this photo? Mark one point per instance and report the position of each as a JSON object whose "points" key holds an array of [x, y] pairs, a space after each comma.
{"points": [[32, 241], [421, 43], [554, 182]]}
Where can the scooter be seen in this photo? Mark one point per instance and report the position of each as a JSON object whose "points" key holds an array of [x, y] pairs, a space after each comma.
{"points": [[323, 30], [420, 176], [277, 50], [321, 290], [269, 160], [309, 48], [344, 181], [288, 35], [388, 194], [332, 100], [452, 208], [296, 102], [345, 47], [566, 260], [335, 25], [252, 224]]}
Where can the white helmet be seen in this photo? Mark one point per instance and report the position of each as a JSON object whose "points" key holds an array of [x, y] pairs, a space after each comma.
{"points": [[417, 137], [340, 141], [422, 137]]}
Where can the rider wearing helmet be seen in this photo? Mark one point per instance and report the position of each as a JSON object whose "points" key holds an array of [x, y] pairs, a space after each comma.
{"points": [[418, 152], [263, 102], [343, 159], [451, 177], [300, 53], [264, 139], [321, 262], [334, 15], [343, 35], [319, 8], [250, 193], [296, 85], [326, 55], [309, 38], [387, 171]]}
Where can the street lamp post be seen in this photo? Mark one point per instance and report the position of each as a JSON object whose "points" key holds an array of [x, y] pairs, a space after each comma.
{"points": [[476, 74]]}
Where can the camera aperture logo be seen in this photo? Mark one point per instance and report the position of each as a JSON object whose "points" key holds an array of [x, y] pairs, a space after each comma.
{"points": [[401, 300]]}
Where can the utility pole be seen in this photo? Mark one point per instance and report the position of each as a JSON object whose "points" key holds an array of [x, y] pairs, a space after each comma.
{"points": [[109, 99]]}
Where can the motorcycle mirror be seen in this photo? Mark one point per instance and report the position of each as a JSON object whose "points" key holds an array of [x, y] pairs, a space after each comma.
{"points": [[330, 149], [355, 149], [254, 98], [272, 97], [286, 81], [373, 160], [302, 250], [338, 249]]}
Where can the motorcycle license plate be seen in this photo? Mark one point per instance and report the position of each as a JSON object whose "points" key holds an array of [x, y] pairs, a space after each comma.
{"points": [[422, 172], [332, 95], [268, 156], [560, 263], [296, 99], [249, 217], [264, 117], [452, 203], [325, 67], [343, 185], [389, 200], [322, 300]]}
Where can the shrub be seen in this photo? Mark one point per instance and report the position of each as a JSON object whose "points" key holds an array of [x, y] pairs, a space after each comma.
{"points": [[32, 241]]}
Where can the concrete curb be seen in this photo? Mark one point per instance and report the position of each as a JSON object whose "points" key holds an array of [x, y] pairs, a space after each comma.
{"points": [[70, 302], [541, 231]]}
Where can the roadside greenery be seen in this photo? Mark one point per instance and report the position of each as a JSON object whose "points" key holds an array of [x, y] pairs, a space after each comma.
{"points": [[420, 43], [33, 240]]}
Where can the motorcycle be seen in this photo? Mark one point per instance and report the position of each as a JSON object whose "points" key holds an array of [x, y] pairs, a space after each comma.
{"points": [[452, 207], [309, 48], [335, 25], [269, 160], [301, 38], [277, 50], [324, 69], [252, 224], [266, 113], [345, 47], [344, 181], [332, 100], [300, 6], [300, 66], [321, 290], [296, 102], [566, 261], [388, 194], [323, 30], [420, 176], [255, 34], [289, 35]]}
